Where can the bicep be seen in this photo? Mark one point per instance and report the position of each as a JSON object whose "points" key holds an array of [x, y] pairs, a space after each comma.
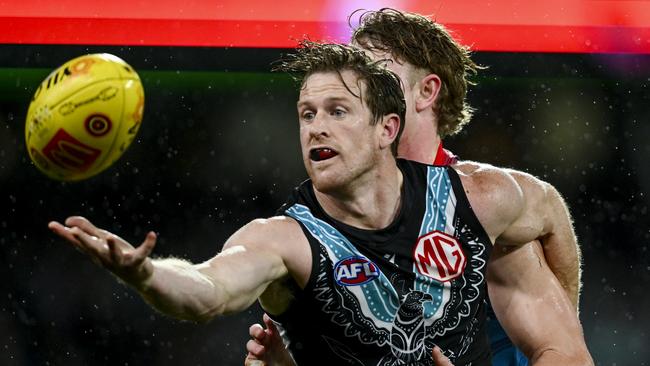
{"points": [[558, 238], [531, 304], [246, 266], [543, 212], [548, 214]]}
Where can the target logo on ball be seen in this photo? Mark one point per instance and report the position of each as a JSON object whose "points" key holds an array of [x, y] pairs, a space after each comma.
{"points": [[98, 125]]}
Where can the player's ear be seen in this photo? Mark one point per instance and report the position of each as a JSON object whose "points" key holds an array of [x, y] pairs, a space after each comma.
{"points": [[427, 91], [389, 129]]}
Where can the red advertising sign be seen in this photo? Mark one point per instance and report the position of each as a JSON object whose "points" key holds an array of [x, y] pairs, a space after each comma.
{"points": [[604, 26]]}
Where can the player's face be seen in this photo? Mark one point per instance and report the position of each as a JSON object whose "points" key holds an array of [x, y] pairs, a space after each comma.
{"points": [[338, 143]]}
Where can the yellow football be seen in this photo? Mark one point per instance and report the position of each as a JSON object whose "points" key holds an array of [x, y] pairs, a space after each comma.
{"points": [[83, 116]]}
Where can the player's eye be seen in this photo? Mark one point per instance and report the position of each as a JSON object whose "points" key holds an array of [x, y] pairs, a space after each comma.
{"points": [[339, 112], [307, 115]]}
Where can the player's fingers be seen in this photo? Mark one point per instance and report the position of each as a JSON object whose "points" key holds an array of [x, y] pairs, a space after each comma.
{"points": [[270, 325], [121, 243], [85, 225], [114, 251], [254, 348], [95, 247], [137, 256], [145, 249], [63, 232], [251, 360], [257, 332], [272, 332], [66, 234], [439, 359]]}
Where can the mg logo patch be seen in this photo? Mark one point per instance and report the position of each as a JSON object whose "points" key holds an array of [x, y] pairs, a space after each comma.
{"points": [[439, 255], [354, 271]]}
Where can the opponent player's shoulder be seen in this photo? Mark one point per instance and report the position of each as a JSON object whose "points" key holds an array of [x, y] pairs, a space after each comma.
{"points": [[502, 181], [499, 195], [493, 193], [534, 189], [492, 182]]}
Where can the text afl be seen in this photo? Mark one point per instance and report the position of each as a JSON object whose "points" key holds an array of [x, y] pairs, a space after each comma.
{"points": [[354, 271]]}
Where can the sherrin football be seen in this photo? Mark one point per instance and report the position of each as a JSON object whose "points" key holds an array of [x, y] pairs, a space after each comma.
{"points": [[83, 116]]}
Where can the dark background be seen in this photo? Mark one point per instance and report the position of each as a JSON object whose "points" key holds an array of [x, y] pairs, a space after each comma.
{"points": [[218, 147]]}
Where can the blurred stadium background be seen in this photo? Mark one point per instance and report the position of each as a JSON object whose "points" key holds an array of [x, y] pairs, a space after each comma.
{"points": [[565, 98]]}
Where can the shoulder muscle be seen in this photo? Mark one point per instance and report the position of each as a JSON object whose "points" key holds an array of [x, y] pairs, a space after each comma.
{"points": [[495, 196], [542, 203], [279, 236]]}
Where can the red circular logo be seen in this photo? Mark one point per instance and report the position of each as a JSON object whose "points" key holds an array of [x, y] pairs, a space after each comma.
{"points": [[98, 125], [440, 256]]}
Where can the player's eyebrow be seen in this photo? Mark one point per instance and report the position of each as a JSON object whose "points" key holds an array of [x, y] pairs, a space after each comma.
{"points": [[301, 103]]}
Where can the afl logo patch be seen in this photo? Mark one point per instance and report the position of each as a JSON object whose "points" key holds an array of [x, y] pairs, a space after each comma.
{"points": [[439, 255], [354, 271]]}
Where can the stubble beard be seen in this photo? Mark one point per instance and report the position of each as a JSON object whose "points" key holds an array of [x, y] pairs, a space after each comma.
{"points": [[343, 181]]}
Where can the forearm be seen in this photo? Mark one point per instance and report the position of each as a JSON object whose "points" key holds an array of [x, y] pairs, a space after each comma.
{"points": [[533, 307], [178, 289], [228, 283], [551, 357]]}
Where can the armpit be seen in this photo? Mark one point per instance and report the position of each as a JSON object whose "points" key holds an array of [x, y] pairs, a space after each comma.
{"points": [[279, 295]]}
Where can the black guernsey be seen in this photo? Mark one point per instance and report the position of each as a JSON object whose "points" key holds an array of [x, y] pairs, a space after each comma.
{"points": [[386, 297]]}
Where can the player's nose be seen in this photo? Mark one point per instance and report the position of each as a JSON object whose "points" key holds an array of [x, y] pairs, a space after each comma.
{"points": [[319, 126]]}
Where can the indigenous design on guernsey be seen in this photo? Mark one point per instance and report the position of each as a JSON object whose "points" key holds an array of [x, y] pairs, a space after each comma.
{"points": [[386, 297]]}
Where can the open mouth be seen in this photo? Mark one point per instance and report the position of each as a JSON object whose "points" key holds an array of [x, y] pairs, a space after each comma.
{"points": [[322, 153]]}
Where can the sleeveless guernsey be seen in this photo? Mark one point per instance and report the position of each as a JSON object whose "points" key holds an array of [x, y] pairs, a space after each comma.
{"points": [[386, 297]]}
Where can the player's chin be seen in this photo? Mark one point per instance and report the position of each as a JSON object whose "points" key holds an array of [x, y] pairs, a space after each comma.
{"points": [[327, 182]]}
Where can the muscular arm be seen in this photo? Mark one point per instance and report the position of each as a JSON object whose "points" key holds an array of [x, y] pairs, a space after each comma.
{"points": [[544, 206], [533, 308], [528, 299], [229, 282]]}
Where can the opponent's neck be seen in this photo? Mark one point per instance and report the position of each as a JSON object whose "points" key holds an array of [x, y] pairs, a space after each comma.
{"points": [[421, 147], [372, 205]]}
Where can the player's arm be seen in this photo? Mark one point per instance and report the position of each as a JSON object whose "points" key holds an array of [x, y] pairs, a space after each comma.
{"points": [[229, 282], [527, 297], [533, 307], [546, 215]]}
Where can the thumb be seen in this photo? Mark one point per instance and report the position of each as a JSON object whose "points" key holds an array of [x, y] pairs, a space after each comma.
{"points": [[270, 325], [251, 360], [439, 359]]}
